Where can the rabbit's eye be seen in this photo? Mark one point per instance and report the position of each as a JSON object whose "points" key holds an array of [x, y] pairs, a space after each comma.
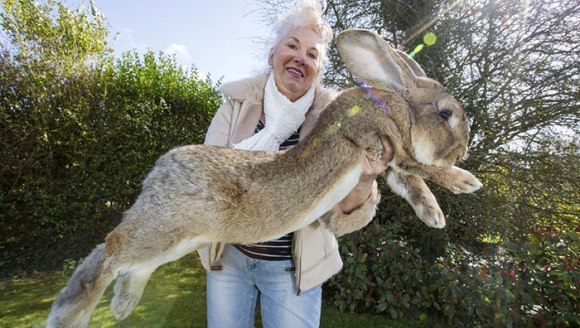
{"points": [[445, 114]]}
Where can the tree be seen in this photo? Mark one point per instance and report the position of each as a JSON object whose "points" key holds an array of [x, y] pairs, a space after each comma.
{"points": [[45, 74], [514, 65], [52, 32]]}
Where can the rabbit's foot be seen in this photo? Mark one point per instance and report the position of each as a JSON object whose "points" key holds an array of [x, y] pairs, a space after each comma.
{"points": [[452, 178], [417, 193], [122, 305], [461, 181], [128, 291], [431, 215]]}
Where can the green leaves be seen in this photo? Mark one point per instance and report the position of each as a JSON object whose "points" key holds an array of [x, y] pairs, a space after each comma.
{"points": [[79, 130], [513, 67], [532, 281], [51, 32]]}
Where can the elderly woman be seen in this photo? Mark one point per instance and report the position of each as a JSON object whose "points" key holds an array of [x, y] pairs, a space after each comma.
{"points": [[271, 112]]}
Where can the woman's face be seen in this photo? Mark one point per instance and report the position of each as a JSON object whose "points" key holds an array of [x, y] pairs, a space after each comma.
{"points": [[296, 62]]}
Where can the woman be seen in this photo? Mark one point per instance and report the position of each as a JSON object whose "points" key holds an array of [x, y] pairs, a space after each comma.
{"points": [[271, 112]]}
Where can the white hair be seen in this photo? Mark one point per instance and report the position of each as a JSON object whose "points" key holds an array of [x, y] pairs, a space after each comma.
{"points": [[306, 13]]}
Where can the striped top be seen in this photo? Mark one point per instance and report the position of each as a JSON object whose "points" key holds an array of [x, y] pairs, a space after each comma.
{"points": [[279, 249]]}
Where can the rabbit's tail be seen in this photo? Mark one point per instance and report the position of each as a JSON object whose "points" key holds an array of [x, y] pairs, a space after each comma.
{"points": [[75, 303]]}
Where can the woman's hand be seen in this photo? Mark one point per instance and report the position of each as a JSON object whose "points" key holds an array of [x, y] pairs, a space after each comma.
{"points": [[372, 167]]}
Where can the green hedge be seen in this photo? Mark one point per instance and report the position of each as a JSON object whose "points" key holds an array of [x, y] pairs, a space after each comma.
{"points": [[77, 144]]}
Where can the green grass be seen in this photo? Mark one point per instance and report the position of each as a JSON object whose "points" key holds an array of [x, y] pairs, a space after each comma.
{"points": [[174, 297]]}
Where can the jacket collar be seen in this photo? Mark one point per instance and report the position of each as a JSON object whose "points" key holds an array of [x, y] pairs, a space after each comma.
{"points": [[252, 89], [246, 89]]}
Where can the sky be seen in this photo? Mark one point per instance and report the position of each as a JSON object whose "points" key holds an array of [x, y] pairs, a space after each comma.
{"points": [[219, 37]]}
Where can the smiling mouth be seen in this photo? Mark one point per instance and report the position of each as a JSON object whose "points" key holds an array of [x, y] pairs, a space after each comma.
{"points": [[295, 72]]}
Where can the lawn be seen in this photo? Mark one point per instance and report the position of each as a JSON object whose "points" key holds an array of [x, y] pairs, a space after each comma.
{"points": [[174, 297]]}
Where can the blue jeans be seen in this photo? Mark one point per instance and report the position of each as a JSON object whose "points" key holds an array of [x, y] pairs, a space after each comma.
{"points": [[232, 294]]}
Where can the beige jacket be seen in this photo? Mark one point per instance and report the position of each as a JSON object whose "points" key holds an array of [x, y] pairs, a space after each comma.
{"points": [[315, 249]]}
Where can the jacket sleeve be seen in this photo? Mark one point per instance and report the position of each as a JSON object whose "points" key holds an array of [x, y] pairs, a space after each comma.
{"points": [[340, 223], [218, 133]]}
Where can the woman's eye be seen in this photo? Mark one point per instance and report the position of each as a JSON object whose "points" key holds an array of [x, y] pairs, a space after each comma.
{"points": [[313, 56], [293, 46]]}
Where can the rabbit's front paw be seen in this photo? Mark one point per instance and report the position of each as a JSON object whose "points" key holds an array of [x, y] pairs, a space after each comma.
{"points": [[417, 193], [463, 181], [454, 179], [431, 215]]}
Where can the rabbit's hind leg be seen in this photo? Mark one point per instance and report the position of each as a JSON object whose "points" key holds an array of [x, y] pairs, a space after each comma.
{"points": [[128, 291], [132, 280], [76, 302]]}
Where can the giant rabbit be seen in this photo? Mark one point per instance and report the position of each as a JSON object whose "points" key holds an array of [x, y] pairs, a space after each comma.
{"points": [[199, 194]]}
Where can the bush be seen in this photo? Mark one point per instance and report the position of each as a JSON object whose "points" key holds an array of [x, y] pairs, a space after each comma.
{"points": [[380, 275], [76, 147], [531, 283], [547, 264]]}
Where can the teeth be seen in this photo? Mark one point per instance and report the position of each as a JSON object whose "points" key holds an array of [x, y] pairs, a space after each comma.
{"points": [[295, 71]]}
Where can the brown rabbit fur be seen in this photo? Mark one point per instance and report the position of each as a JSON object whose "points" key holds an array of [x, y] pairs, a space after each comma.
{"points": [[200, 194]]}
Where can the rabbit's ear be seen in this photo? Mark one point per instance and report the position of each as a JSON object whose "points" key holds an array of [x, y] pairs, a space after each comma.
{"points": [[413, 65], [370, 58]]}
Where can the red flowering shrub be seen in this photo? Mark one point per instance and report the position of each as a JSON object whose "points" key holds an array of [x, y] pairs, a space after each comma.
{"points": [[529, 283]]}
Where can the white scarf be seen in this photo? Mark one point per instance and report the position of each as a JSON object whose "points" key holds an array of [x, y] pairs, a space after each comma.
{"points": [[283, 118]]}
